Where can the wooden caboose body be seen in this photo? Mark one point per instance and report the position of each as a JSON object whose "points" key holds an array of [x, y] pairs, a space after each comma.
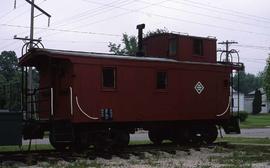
{"points": [[177, 88]]}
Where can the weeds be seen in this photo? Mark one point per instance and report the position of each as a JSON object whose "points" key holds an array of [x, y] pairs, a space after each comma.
{"points": [[242, 157]]}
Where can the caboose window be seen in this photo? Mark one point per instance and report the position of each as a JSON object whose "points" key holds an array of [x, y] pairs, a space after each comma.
{"points": [[162, 80], [108, 77], [172, 47], [198, 47]]}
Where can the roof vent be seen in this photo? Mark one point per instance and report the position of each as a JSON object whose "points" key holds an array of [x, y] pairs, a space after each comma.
{"points": [[140, 37]]}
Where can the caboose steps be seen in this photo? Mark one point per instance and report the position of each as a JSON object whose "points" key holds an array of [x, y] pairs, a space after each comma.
{"points": [[61, 134], [232, 126]]}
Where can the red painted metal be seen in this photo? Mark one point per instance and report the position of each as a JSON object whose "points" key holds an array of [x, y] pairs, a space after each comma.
{"points": [[135, 97], [158, 46]]}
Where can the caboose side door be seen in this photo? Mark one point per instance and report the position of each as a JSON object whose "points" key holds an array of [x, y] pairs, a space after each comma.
{"points": [[61, 82]]}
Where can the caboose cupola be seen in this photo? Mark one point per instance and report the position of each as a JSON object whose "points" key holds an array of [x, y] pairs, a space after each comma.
{"points": [[180, 47]]}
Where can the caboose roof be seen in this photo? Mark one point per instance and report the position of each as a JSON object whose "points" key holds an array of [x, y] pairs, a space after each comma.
{"points": [[179, 34], [36, 55], [37, 52]]}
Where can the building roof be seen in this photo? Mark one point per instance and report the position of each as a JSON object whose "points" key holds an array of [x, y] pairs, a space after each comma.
{"points": [[253, 92]]}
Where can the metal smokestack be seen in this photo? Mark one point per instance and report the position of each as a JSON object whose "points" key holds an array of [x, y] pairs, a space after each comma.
{"points": [[140, 38]]}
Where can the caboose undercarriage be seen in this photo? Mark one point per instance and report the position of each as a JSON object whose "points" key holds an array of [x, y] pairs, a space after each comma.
{"points": [[64, 135]]}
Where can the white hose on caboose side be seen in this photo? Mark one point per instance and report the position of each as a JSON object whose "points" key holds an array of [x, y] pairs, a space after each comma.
{"points": [[51, 103], [228, 107], [79, 107], [71, 100]]}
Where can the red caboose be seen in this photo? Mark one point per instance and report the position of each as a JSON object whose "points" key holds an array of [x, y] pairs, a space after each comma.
{"points": [[176, 91]]}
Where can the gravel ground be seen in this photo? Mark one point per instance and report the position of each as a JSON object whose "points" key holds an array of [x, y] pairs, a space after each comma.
{"points": [[182, 159], [185, 159]]}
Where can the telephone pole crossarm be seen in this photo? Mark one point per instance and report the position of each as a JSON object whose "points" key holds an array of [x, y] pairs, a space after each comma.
{"points": [[41, 10], [227, 51], [26, 39]]}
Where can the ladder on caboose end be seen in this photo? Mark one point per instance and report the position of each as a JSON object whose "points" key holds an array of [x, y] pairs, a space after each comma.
{"points": [[238, 66], [233, 126], [36, 101]]}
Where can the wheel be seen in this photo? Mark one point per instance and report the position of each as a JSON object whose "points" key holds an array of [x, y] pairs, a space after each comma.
{"points": [[155, 137], [210, 134], [181, 136], [102, 142], [120, 138], [81, 142], [195, 136], [59, 146]]}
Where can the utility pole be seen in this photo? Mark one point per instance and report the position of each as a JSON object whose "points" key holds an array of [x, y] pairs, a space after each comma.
{"points": [[30, 83], [32, 24], [227, 51], [31, 40]]}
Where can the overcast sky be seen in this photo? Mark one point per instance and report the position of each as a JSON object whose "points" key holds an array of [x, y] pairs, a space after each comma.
{"points": [[89, 25]]}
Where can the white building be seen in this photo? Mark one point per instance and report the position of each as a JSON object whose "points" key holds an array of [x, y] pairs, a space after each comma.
{"points": [[235, 101], [249, 100]]}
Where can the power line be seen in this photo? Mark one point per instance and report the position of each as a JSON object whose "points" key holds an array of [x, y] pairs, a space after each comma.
{"points": [[119, 15], [22, 13], [96, 11], [215, 9], [10, 11], [256, 59], [206, 15], [8, 44], [74, 41], [165, 17], [105, 10], [234, 11], [113, 17], [63, 30], [171, 18], [105, 42], [254, 47], [93, 12], [206, 24]]}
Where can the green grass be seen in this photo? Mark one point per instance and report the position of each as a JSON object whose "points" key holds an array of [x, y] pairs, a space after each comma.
{"points": [[256, 121], [25, 148], [143, 142], [242, 156], [242, 140]]}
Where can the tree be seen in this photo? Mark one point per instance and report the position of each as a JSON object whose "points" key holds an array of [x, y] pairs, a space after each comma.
{"points": [[266, 78], [130, 43], [247, 82], [257, 102], [9, 81], [130, 46], [8, 64], [2, 94], [157, 31]]}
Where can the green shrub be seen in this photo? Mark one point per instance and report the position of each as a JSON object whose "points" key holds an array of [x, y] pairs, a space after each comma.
{"points": [[243, 116]]}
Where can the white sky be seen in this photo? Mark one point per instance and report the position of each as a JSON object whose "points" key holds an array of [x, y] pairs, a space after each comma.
{"points": [[244, 21]]}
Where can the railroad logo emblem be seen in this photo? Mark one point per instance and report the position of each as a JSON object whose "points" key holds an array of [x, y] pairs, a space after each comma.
{"points": [[199, 87]]}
